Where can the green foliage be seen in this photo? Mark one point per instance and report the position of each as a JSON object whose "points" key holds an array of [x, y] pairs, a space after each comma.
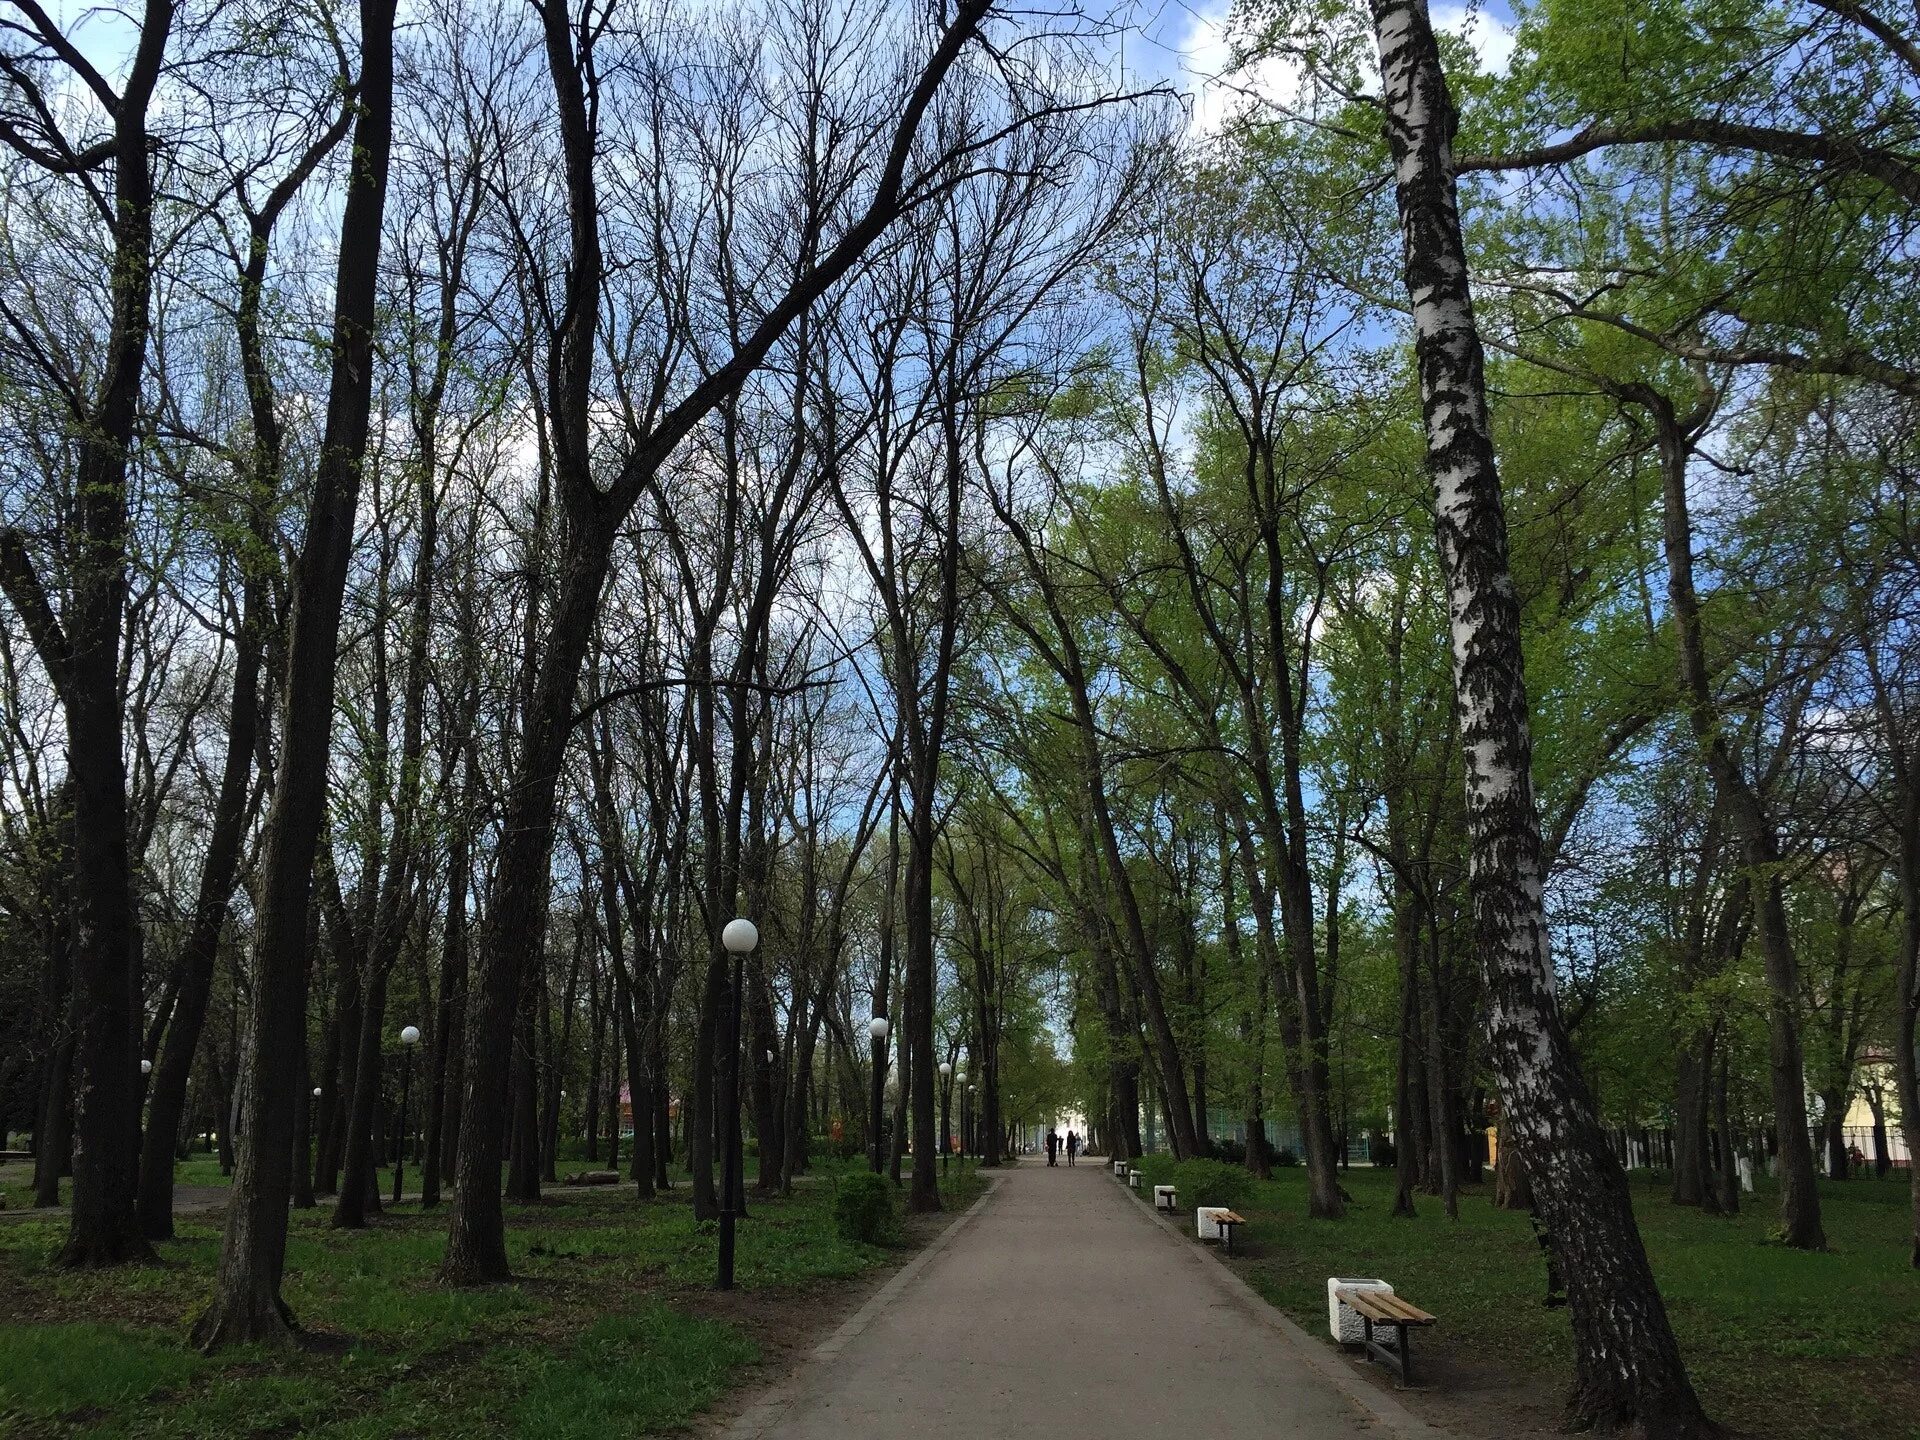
{"points": [[1155, 1169], [863, 1209], [1213, 1182], [850, 1145]]}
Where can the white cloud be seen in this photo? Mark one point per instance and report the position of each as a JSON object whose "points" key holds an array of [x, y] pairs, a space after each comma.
{"points": [[1219, 88], [1491, 37]]}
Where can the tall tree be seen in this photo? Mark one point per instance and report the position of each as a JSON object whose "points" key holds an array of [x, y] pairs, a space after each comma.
{"points": [[246, 1305], [1627, 1366], [81, 646]]}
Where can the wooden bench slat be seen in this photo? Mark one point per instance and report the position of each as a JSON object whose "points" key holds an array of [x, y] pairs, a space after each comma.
{"points": [[1384, 1308], [1229, 1218]]}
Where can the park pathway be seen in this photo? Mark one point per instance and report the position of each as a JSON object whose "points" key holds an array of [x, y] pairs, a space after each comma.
{"points": [[1062, 1311]]}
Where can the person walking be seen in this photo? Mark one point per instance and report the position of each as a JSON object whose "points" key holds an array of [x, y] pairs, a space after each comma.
{"points": [[1053, 1145], [1073, 1147]]}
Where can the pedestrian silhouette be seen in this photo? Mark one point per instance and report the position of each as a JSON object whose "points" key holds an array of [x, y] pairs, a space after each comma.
{"points": [[1073, 1147]]}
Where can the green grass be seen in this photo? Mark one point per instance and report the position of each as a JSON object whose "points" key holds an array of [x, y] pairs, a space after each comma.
{"points": [[48, 1370], [1779, 1342], [16, 1179], [601, 1332], [651, 1370]]}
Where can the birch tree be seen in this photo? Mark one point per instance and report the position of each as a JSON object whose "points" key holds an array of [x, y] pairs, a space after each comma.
{"points": [[1627, 1366]]}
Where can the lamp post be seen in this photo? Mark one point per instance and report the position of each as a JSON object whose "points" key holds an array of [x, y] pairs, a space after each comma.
{"points": [[973, 1120], [409, 1037], [738, 939], [877, 1028], [946, 1114], [960, 1080]]}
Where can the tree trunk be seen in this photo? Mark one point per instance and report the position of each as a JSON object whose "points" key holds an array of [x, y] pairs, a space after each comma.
{"points": [[360, 1182], [247, 1304], [1692, 1155], [1627, 1366], [1406, 1152], [81, 651], [53, 1132], [523, 1095], [515, 928], [343, 1059], [1510, 1188], [303, 1198], [202, 948], [1800, 1225]]}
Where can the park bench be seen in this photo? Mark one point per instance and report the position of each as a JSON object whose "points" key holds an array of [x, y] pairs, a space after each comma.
{"points": [[1383, 1307], [1164, 1199], [1223, 1222], [1134, 1177]]}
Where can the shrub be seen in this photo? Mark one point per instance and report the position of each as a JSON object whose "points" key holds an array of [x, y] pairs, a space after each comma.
{"points": [[1381, 1150], [1212, 1182], [1230, 1150], [851, 1145], [1156, 1169], [1285, 1156], [863, 1209]]}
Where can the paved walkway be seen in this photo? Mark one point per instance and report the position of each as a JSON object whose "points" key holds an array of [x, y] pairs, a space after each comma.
{"points": [[1062, 1310]]}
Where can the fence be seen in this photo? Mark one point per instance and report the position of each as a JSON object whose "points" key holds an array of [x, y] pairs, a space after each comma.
{"points": [[1651, 1147]]}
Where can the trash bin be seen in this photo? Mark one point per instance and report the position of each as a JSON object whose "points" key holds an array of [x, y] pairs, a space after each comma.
{"points": [[1345, 1326]]}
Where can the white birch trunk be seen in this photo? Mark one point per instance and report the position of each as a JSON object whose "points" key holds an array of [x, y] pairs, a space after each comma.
{"points": [[1628, 1370]]}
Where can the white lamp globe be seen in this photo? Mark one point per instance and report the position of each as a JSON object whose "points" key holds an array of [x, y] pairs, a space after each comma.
{"points": [[740, 935], [410, 1036], [146, 1067], [961, 1077], [316, 1092], [878, 1027], [945, 1069]]}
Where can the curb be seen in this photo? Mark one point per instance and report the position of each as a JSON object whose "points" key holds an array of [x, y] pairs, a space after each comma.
{"points": [[1376, 1403], [759, 1417]]}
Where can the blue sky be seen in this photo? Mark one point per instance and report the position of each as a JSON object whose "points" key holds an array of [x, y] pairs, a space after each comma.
{"points": [[1190, 43]]}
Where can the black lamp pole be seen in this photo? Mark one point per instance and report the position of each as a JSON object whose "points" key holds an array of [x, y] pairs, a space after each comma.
{"points": [[409, 1037], [946, 1124], [738, 937], [877, 1029]]}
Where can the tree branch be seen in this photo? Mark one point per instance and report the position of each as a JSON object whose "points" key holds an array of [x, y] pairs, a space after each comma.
{"points": [[1889, 167], [21, 584]]}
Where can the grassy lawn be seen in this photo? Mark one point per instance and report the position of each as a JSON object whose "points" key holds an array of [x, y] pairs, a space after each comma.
{"points": [[197, 1170], [608, 1329], [1780, 1343]]}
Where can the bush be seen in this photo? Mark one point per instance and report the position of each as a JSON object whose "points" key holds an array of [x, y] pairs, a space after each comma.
{"points": [[1155, 1169], [1212, 1182], [1284, 1156], [1381, 1150], [863, 1209], [1230, 1150], [851, 1145]]}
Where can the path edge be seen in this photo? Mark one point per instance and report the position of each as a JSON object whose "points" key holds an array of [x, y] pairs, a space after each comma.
{"points": [[1326, 1362], [758, 1418]]}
